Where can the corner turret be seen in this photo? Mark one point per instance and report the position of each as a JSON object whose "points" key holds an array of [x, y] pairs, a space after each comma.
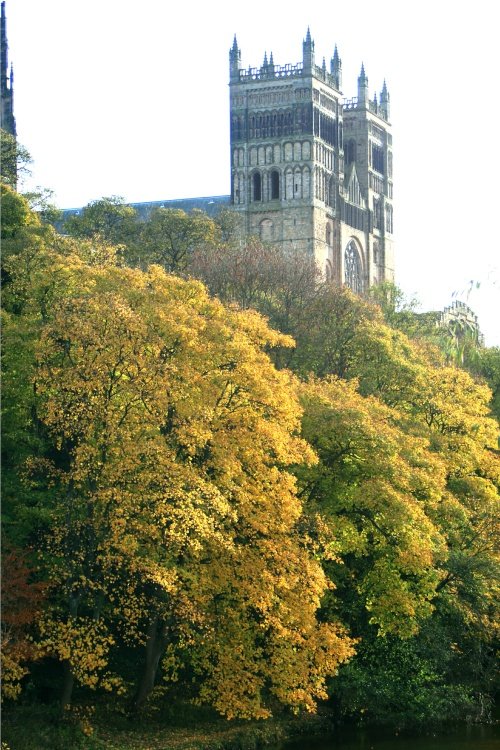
{"points": [[385, 102], [336, 68], [363, 88], [7, 120], [234, 61], [308, 53]]}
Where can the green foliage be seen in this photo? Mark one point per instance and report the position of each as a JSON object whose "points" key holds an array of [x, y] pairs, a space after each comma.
{"points": [[14, 160], [169, 237], [403, 684], [107, 219]]}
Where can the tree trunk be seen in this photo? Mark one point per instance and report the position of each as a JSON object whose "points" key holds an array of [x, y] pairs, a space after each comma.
{"points": [[67, 689], [155, 646], [68, 678]]}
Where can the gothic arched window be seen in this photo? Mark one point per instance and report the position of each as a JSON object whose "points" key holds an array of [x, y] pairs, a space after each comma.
{"points": [[275, 185], [257, 186], [353, 270]]}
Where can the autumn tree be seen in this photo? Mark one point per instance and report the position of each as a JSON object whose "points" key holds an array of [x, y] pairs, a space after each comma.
{"points": [[253, 274], [373, 489], [446, 466], [22, 598], [165, 434]]}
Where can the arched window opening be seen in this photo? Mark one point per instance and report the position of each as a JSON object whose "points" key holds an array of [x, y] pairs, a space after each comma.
{"points": [[353, 270], [257, 186], [275, 185]]}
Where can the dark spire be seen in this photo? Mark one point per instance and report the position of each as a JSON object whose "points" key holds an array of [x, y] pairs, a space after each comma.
{"points": [[265, 63], [308, 52], [385, 101], [271, 64], [363, 88], [4, 46], [7, 120], [336, 68], [234, 61]]}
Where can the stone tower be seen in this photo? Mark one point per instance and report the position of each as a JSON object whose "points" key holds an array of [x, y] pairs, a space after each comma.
{"points": [[7, 120], [311, 170]]}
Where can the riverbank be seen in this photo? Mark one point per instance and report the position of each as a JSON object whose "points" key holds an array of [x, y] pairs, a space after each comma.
{"points": [[37, 728]]}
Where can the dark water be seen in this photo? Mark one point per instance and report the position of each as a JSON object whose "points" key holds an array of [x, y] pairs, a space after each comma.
{"points": [[463, 738]]}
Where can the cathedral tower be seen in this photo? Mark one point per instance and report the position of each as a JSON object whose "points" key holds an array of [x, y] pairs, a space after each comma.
{"points": [[7, 121], [311, 170]]}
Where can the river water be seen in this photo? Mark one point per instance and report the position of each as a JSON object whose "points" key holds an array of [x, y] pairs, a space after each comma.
{"points": [[475, 737]]}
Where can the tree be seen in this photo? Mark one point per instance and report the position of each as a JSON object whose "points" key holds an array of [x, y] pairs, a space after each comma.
{"points": [[109, 219], [170, 236], [164, 437], [253, 274], [372, 488]]}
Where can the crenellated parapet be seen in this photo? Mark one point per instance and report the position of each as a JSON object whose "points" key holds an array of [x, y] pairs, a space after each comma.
{"points": [[269, 71]]}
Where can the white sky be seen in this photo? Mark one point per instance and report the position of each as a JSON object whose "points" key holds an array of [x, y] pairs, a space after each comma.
{"points": [[131, 99]]}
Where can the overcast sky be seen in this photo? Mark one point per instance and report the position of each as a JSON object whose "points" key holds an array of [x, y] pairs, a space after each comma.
{"points": [[131, 99]]}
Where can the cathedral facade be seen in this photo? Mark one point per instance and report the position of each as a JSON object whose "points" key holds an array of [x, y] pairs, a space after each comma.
{"points": [[310, 170]]}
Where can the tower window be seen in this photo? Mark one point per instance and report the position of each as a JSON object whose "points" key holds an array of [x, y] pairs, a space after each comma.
{"points": [[275, 185], [377, 158], [388, 219], [353, 271], [257, 186]]}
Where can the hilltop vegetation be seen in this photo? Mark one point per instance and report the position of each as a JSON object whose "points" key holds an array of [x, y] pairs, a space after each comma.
{"points": [[227, 483]]}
